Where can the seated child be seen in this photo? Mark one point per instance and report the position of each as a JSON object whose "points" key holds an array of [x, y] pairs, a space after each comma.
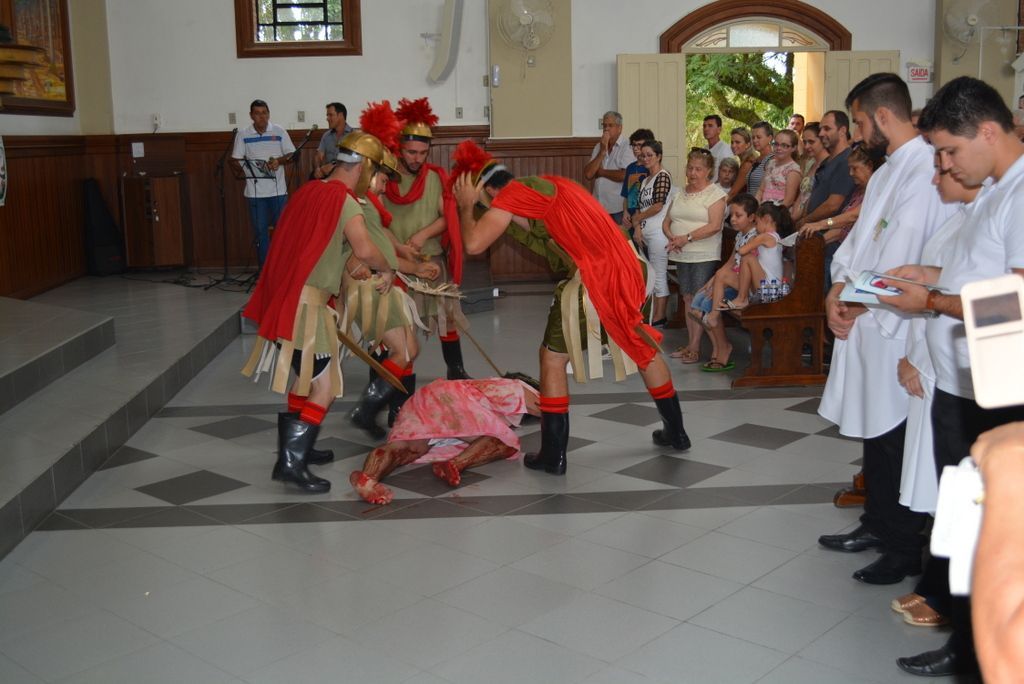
{"points": [[761, 258], [723, 285]]}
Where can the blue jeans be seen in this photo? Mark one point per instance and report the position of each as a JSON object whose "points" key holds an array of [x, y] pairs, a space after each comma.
{"points": [[703, 302], [263, 213], [617, 217]]}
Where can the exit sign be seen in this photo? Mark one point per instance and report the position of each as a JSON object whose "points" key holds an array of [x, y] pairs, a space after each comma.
{"points": [[918, 73]]}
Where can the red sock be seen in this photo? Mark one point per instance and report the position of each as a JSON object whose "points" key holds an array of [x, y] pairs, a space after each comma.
{"points": [[312, 413], [408, 371], [663, 392], [393, 368], [554, 404], [452, 336], [295, 402]]}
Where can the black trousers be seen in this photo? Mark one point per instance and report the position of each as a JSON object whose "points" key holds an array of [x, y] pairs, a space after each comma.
{"points": [[899, 528], [956, 424]]}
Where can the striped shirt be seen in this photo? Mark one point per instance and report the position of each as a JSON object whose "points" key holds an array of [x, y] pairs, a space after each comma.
{"points": [[273, 142]]}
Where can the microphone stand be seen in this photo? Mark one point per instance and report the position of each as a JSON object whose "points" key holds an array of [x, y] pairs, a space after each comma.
{"points": [[295, 155], [219, 175]]}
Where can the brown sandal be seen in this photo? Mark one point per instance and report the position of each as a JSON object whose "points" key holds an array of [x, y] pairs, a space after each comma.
{"points": [[922, 615], [689, 357]]}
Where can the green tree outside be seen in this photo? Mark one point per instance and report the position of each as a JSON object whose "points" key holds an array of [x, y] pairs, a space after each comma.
{"points": [[742, 88]]}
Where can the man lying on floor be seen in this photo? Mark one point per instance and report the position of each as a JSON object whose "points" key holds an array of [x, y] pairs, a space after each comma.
{"points": [[454, 424]]}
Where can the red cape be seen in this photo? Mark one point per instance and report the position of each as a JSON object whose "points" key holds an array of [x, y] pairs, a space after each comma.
{"points": [[451, 240], [608, 267], [300, 238]]}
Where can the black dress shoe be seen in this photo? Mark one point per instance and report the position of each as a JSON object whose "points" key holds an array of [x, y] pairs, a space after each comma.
{"points": [[858, 540], [890, 568], [941, 662]]}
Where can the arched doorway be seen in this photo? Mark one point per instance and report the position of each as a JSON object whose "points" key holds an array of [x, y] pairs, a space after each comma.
{"points": [[724, 11], [793, 38]]}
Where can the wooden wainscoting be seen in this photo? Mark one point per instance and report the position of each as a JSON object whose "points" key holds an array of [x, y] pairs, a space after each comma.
{"points": [[41, 226]]}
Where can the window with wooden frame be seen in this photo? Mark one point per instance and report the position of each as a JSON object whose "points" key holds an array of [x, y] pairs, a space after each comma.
{"points": [[297, 28]]}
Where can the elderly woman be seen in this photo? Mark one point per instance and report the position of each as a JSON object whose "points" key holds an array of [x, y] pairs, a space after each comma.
{"points": [[836, 228], [647, 221], [693, 225], [744, 151]]}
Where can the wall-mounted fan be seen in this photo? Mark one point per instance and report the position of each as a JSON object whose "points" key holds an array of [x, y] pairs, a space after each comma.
{"points": [[964, 21], [526, 24]]}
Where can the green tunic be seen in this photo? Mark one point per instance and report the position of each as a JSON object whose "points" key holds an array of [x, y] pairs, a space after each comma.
{"points": [[326, 276], [538, 241], [357, 290], [409, 219]]}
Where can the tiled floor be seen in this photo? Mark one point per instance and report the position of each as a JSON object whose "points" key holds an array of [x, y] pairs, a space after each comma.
{"points": [[181, 561]]}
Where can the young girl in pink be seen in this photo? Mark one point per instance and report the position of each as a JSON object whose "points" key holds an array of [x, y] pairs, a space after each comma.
{"points": [[761, 258], [781, 183]]}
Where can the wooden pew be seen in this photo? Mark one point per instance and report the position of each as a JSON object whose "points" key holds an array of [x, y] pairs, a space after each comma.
{"points": [[780, 331]]}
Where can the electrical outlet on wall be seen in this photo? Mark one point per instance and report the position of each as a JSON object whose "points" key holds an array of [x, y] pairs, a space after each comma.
{"points": [[458, 112], [301, 116], [156, 122], [232, 118]]}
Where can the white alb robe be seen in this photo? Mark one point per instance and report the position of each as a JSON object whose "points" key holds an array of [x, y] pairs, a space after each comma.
{"points": [[900, 212], [919, 484]]}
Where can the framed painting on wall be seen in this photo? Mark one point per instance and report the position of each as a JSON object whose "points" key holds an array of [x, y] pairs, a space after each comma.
{"points": [[47, 88]]}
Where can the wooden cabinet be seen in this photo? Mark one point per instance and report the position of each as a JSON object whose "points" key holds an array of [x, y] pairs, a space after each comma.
{"points": [[153, 231]]}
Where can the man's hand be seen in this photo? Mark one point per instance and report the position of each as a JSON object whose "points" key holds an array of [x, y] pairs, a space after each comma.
{"points": [[323, 171], [1006, 439], [273, 163], [428, 270], [407, 251], [384, 280], [358, 270], [913, 299], [416, 241], [909, 378], [841, 316], [606, 141], [467, 194]]}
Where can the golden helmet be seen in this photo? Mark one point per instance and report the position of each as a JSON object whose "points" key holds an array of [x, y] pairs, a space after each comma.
{"points": [[390, 163], [359, 147]]}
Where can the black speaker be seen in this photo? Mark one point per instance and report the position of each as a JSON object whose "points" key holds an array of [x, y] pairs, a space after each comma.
{"points": [[104, 244]]}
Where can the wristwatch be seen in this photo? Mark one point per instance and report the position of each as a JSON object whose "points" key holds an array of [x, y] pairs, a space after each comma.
{"points": [[929, 304], [829, 222], [689, 237]]}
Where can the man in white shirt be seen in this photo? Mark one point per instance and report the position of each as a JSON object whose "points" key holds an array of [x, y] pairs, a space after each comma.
{"points": [[972, 131], [607, 165], [713, 134], [266, 189], [863, 396]]}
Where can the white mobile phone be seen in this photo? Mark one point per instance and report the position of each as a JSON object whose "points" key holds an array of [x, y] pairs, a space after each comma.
{"points": [[994, 325]]}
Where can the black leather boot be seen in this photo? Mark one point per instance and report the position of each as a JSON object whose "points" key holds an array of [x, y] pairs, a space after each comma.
{"points": [[316, 456], [672, 433], [294, 440], [452, 352], [397, 401], [554, 438], [375, 397]]}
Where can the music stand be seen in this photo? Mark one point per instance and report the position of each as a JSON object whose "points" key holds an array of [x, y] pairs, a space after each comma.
{"points": [[254, 170]]}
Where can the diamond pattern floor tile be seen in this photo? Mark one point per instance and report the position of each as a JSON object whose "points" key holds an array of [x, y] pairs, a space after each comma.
{"points": [[192, 487]]}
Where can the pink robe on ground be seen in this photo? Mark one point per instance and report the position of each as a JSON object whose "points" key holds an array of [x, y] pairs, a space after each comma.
{"points": [[461, 409]]}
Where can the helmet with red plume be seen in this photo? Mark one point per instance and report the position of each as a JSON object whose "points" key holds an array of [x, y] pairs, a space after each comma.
{"points": [[418, 118]]}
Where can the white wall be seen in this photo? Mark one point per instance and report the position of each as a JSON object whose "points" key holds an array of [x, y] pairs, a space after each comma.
{"points": [[604, 28], [164, 60]]}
